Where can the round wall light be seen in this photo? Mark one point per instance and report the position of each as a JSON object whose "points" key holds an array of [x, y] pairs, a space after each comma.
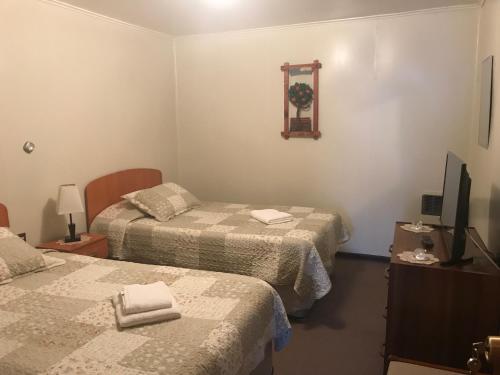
{"points": [[28, 147]]}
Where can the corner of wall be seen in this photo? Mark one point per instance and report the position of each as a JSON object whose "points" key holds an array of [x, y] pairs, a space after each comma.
{"points": [[176, 106]]}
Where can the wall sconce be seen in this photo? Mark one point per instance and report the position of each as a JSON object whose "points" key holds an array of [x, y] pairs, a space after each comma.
{"points": [[28, 147]]}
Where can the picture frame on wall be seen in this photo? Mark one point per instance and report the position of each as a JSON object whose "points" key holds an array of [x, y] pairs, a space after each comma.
{"points": [[486, 100], [301, 91]]}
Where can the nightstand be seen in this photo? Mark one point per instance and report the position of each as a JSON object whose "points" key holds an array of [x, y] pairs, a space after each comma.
{"points": [[94, 245]]}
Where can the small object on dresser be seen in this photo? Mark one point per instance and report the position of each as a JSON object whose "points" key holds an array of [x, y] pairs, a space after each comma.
{"points": [[69, 202], [418, 256], [94, 245], [417, 228], [427, 243]]}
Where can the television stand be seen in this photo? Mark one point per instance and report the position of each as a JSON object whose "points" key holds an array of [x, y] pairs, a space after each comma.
{"points": [[435, 313]]}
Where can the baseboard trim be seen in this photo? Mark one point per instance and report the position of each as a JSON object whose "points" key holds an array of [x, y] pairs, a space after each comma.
{"points": [[378, 258]]}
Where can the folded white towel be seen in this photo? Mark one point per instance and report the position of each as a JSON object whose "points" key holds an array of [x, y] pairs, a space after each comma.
{"points": [[153, 316], [141, 298], [271, 216]]}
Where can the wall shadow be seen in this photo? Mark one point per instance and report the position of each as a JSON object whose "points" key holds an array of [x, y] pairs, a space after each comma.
{"points": [[53, 225]]}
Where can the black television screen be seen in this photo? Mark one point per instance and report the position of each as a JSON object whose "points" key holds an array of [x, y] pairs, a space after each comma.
{"points": [[451, 190], [455, 210]]}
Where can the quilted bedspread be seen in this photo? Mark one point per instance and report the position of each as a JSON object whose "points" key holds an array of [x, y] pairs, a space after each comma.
{"points": [[61, 321], [224, 237]]}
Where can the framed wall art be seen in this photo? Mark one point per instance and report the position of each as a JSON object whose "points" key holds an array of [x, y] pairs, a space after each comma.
{"points": [[301, 91], [486, 102]]}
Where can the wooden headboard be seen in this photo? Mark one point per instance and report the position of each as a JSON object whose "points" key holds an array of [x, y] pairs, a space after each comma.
{"points": [[107, 190], [4, 216]]}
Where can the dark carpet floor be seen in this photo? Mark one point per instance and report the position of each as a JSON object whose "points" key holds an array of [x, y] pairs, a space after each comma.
{"points": [[344, 330]]}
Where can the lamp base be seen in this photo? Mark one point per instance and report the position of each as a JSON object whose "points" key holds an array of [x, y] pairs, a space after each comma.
{"points": [[73, 237], [68, 239]]}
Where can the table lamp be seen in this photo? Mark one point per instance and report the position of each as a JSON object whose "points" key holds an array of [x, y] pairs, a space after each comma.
{"points": [[69, 202]]}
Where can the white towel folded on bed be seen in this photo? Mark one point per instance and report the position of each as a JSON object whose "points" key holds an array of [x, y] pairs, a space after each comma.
{"points": [[153, 316], [141, 298], [271, 216]]}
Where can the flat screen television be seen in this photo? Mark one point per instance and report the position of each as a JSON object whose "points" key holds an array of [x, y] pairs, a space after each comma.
{"points": [[455, 210]]}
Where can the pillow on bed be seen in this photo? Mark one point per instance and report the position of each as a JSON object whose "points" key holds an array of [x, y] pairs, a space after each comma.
{"points": [[131, 195], [163, 202], [17, 257]]}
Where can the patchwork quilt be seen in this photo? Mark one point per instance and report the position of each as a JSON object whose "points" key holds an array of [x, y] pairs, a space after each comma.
{"points": [[61, 321], [224, 237]]}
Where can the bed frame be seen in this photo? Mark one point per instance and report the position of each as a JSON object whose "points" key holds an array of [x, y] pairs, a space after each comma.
{"points": [[107, 190], [4, 216]]}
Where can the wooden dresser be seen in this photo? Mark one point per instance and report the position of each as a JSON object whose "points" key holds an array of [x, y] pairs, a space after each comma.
{"points": [[435, 313]]}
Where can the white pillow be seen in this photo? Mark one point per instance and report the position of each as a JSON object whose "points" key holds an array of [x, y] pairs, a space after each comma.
{"points": [[18, 257], [131, 195], [163, 202]]}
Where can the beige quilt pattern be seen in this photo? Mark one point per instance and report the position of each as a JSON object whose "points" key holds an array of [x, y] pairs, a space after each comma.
{"points": [[224, 237], [61, 321]]}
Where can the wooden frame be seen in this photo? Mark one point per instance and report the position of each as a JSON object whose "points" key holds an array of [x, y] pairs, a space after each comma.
{"points": [[4, 216], [107, 190], [4, 220], [315, 133]]}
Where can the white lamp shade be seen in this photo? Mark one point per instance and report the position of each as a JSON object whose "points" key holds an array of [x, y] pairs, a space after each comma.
{"points": [[69, 200]]}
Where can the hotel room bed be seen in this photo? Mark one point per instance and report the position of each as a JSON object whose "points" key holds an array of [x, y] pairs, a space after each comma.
{"points": [[61, 320], [295, 257]]}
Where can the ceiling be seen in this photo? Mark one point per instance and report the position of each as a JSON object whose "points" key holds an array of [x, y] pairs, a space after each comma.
{"points": [[180, 17]]}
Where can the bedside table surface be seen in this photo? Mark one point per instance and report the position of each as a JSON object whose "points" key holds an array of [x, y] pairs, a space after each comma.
{"points": [[72, 246]]}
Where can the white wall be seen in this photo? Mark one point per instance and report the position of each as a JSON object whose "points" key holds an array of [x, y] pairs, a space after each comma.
{"points": [[395, 95], [485, 163], [93, 94]]}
